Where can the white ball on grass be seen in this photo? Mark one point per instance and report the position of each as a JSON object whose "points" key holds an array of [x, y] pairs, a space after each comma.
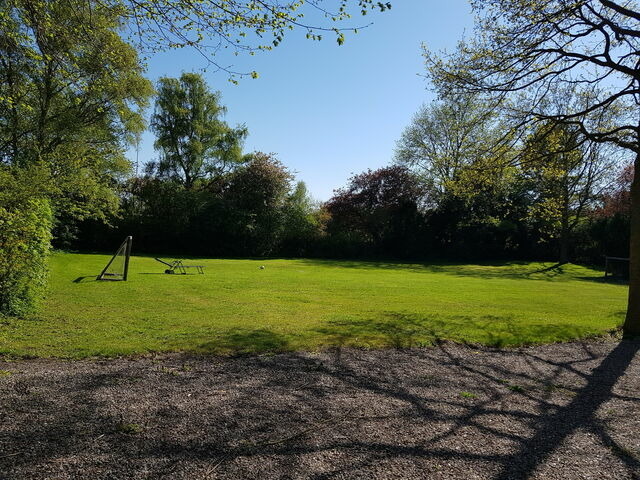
{"points": [[261, 267]]}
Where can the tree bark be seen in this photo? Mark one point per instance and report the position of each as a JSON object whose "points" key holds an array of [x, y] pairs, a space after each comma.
{"points": [[564, 250], [632, 322], [564, 232]]}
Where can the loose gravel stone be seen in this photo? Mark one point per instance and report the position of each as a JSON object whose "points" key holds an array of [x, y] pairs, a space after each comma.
{"points": [[562, 411]]}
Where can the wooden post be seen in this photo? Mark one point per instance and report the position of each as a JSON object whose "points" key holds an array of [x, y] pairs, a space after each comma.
{"points": [[126, 257]]}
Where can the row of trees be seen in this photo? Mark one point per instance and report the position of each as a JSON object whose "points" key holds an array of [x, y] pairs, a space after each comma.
{"points": [[549, 177], [456, 190], [370, 217], [254, 210], [203, 195]]}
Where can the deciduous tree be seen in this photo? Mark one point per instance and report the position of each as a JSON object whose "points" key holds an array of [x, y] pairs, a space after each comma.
{"points": [[380, 209], [193, 141], [255, 200], [71, 92], [533, 48], [301, 227], [618, 200], [452, 134], [566, 177]]}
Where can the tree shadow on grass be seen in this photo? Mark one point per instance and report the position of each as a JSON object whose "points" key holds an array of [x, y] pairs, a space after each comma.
{"points": [[395, 330], [404, 330], [86, 279], [551, 271], [245, 341], [606, 280]]}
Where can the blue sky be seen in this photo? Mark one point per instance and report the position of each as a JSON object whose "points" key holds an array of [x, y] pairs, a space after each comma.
{"points": [[331, 111]]}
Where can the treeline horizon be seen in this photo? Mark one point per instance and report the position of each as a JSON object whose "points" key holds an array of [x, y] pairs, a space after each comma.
{"points": [[601, 235], [457, 188]]}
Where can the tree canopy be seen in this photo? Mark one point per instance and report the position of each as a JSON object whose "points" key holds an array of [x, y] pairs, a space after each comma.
{"points": [[379, 210], [566, 177], [239, 26], [71, 93], [450, 140], [524, 51], [193, 141], [538, 47]]}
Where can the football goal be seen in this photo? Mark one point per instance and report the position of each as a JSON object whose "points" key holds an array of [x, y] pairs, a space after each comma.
{"points": [[118, 266]]}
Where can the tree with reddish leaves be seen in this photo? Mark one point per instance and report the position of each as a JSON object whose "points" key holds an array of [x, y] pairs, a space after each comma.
{"points": [[609, 226], [379, 209], [618, 201]]}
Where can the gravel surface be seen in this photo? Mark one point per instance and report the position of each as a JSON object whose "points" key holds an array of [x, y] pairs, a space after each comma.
{"points": [[560, 411]]}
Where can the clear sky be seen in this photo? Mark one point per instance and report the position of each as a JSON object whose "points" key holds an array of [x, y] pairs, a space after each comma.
{"points": [[331, 111]]}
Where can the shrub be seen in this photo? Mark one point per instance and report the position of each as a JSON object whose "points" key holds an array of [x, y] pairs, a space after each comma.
{"points": [[25, 235], [255, 200]]}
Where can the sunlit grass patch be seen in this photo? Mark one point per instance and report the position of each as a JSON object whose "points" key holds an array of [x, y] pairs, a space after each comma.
{"points": [[237, 307]]}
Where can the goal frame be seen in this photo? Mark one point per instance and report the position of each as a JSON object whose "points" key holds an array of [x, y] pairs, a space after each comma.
{"points": [[127, 253]]}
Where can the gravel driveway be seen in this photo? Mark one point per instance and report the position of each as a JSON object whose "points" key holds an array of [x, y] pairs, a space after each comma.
{"points": [[565, 411]]}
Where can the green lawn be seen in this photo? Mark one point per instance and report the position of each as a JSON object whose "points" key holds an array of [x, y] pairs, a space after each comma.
{"points": [[308, 304]]}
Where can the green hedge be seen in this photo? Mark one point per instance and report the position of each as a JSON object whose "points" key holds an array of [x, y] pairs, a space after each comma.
{"points": [[25, 237]]}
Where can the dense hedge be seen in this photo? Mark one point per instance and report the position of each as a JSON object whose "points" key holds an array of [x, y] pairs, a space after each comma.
{"points": [[25, 235], [385, 214]]}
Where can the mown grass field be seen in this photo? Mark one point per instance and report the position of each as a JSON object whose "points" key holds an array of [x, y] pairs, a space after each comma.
{"points": [[307, 304]]}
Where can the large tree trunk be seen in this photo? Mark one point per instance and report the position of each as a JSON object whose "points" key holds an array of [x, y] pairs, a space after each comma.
{"points": [[564, 222], [632, 322], [564, 236]]}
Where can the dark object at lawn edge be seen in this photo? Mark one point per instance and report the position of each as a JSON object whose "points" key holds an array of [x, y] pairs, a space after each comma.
{"points": [[616, 267]]}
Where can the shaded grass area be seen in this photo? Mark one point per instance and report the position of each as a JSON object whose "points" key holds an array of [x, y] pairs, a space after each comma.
{"points": [[236, 307]]}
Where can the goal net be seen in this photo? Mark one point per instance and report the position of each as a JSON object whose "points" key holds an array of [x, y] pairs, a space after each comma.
{"points": [[118, 266]]}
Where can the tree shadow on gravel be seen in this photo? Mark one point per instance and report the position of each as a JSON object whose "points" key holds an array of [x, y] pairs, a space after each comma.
{"points": [[552, 429], [343, 413]]}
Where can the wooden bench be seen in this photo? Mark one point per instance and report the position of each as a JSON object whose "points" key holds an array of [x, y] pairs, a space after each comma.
{"points": [[616, 266]]}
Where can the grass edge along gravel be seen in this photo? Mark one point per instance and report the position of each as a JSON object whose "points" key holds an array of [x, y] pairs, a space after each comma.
{"points": [[294, 305]]}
